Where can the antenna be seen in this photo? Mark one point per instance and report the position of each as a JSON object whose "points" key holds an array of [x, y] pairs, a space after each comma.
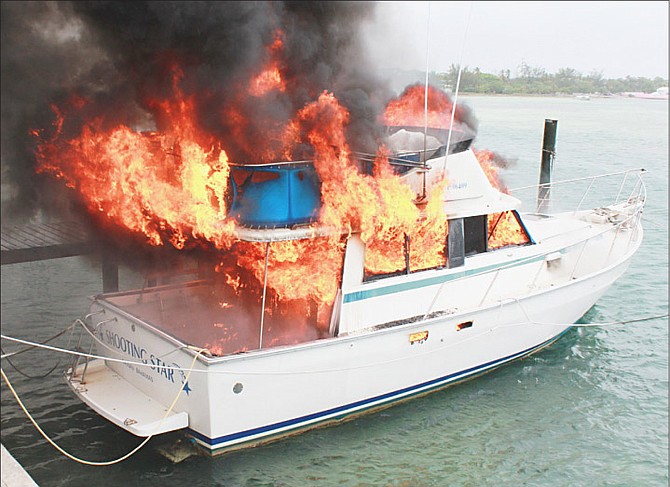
{"points": [[425, 106], [458, 84]]}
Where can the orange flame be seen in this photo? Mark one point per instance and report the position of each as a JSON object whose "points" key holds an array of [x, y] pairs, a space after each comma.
{"points": [[486, 160], [172, 186], [505, 230], [270, 78], [408, 109], [134, 179]]}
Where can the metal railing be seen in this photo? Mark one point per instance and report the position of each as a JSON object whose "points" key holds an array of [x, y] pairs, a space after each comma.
{"points": [[599, 186]]}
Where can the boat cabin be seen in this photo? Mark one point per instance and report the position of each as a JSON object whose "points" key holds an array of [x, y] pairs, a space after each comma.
{"points": [[281, 201]]}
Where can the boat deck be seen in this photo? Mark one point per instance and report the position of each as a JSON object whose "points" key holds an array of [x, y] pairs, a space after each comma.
{"points": [[212, 316]]}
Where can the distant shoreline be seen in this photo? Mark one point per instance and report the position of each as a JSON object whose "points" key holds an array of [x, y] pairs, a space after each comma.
{"points": [[554, 95]]}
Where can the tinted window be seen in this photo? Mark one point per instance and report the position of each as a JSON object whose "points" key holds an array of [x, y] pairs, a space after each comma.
{"points": [[474, 229]]}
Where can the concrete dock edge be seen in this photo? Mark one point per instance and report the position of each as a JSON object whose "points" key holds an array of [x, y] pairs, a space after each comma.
{"points": [[13, 474]]}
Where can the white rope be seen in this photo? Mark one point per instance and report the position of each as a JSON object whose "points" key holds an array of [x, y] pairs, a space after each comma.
{"points": [[323, 371], [87, 462], [199, 351], [16, 352], [580, 325]]}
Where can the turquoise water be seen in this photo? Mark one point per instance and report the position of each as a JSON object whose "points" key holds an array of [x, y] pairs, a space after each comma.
{"points": [[592, 409]]}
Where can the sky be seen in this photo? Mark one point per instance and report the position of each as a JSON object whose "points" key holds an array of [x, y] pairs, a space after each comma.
{"points": [[618, 39]]}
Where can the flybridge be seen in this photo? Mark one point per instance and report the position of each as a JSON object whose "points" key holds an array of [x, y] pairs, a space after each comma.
{"points": [[275, 195], [288, 194]]}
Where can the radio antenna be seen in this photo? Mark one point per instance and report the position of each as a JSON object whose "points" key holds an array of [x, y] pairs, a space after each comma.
{"points": [[458, 84], [425, 106]]}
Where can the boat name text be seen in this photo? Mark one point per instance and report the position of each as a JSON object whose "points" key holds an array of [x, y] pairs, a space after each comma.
{"points": [[136, 351]]}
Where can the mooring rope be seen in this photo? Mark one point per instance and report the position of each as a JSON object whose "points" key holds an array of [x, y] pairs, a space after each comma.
{"points": [[25, 374], [583, 325], [50, 371], [116, 351], [240, 372], [624, 322], [88, 462], [69, 327]]}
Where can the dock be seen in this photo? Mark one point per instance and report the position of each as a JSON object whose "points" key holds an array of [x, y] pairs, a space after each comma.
{"points": [[28, 243], [52, 240], [41, 241], [13, 474]]}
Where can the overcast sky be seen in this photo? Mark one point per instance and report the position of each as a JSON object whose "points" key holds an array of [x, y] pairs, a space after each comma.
{"points": [[615, 38]]}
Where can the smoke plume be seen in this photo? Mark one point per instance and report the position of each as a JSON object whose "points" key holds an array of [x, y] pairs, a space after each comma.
{"points": [[121, 57]]}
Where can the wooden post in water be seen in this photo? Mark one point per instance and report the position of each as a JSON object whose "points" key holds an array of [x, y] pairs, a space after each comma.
{"points": [[110, 272], [548, 155]]}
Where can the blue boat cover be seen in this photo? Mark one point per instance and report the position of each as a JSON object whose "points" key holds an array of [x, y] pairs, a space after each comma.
{"points": [[271, 196]]}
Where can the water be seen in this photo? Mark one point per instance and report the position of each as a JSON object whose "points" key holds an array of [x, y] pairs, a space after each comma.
{"points": [[592, 409]]}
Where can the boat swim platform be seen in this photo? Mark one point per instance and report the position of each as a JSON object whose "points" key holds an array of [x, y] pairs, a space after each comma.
{"points": [[32, 242], [12, 473]]}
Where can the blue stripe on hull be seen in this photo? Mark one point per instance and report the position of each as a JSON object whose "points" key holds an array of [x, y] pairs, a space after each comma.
{"points": [[341, 412]]}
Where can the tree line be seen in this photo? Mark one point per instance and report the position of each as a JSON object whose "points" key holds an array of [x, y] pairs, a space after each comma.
{"points": [[535, 80]]}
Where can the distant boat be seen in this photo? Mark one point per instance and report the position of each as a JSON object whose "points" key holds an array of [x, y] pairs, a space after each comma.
{"points": [[583, 97], [659, 94]]}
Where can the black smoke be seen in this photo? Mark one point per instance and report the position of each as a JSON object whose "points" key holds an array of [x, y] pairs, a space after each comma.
{"points": [[119, 54]]}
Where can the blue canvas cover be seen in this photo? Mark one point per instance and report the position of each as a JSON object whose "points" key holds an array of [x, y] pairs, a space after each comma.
{"points": [[272, 196]]}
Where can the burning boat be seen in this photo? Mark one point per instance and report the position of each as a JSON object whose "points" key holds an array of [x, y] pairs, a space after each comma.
{"points": [[472, 283], [349, 259]]}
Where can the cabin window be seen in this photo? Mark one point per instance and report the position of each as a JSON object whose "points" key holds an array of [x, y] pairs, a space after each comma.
{"points": [[474, 232], [479, 234], [385, 258], [505, 229], [455, 243], [424, 249]]}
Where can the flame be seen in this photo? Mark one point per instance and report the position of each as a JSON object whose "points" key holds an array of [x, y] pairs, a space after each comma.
{"points": [[486, 160], [409, 108], [381, 208], [505, 230], [134, 179], [172, 186], [270, 78]]}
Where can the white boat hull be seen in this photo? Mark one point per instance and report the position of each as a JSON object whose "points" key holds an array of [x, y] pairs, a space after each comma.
{"points": [[255, 397], [366, 373], [391, 338]]}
